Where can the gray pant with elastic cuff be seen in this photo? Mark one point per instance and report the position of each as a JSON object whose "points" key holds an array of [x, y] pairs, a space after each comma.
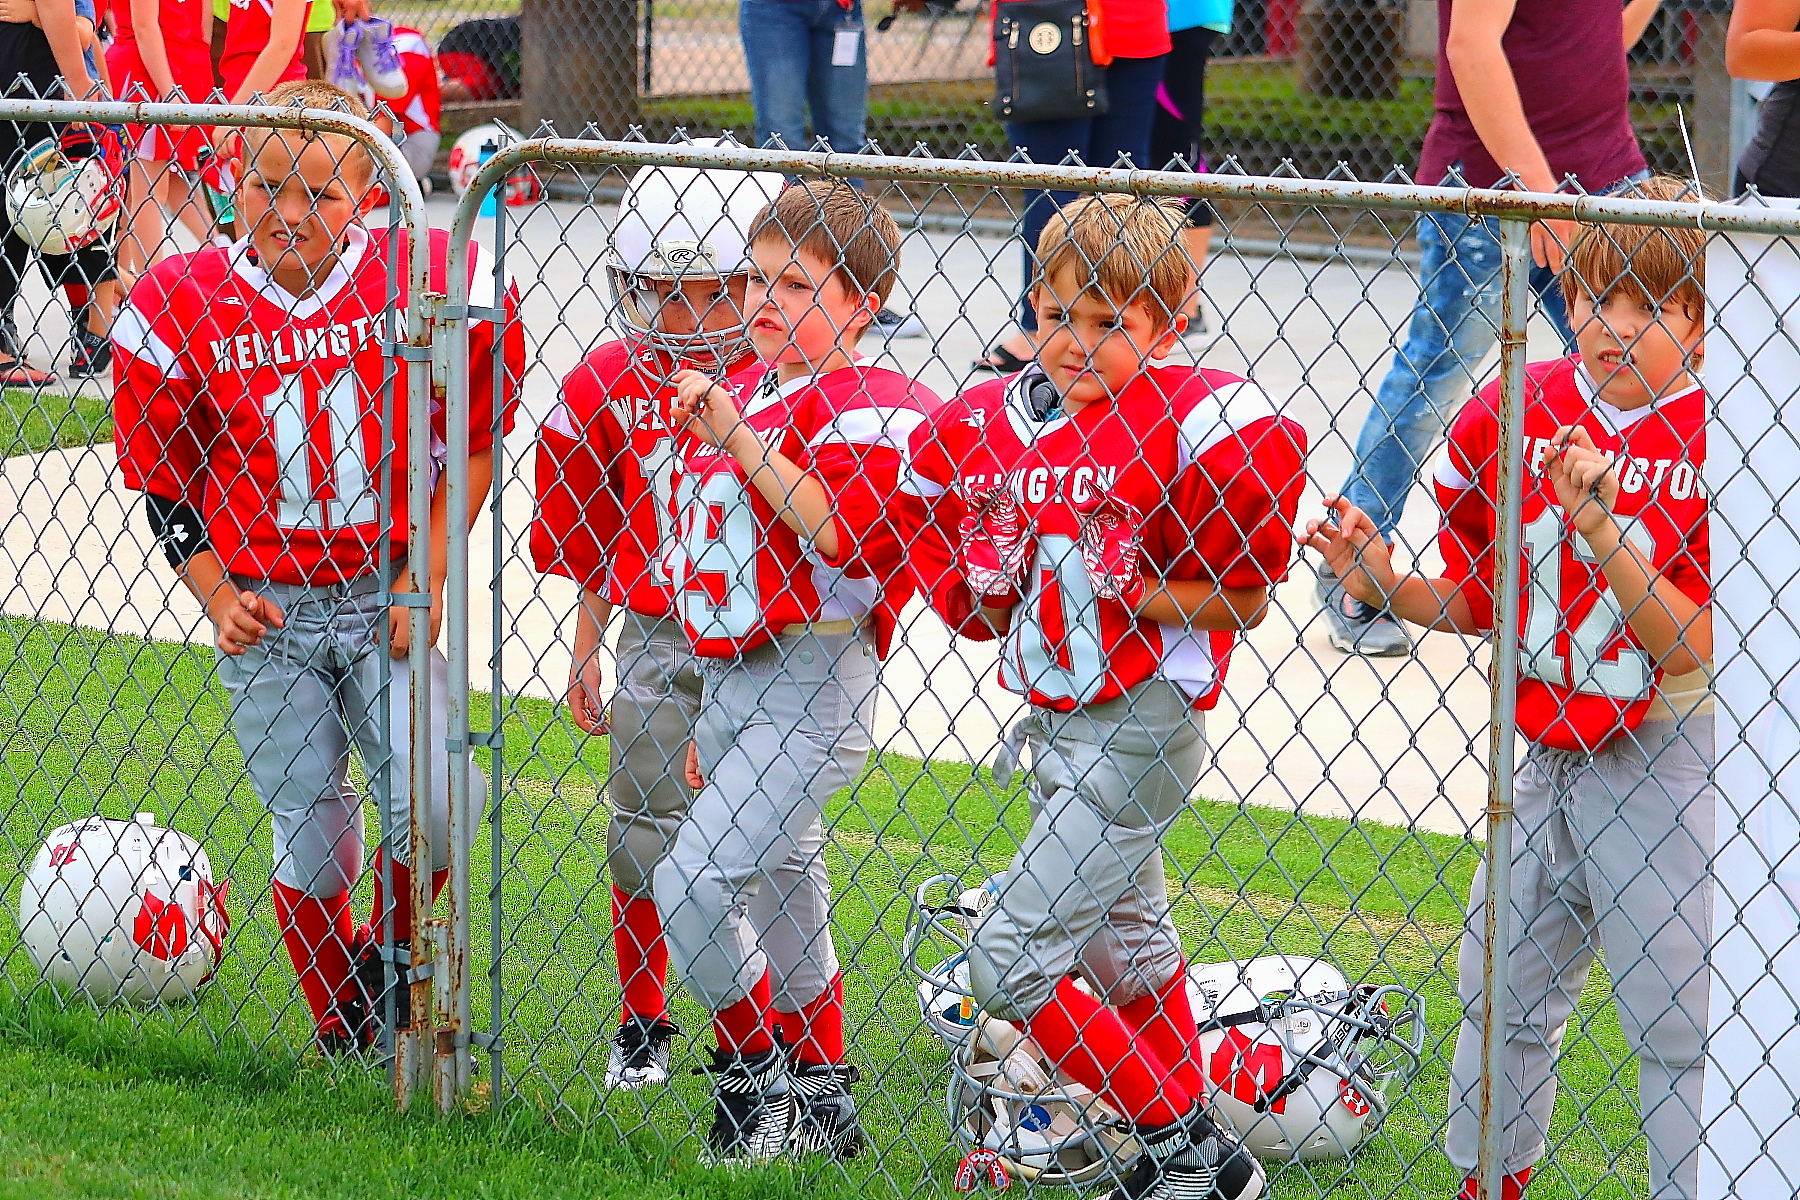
{"points": [[654, 708], [1610, 850], [301, 699], [1087, 887], [744, 890]]}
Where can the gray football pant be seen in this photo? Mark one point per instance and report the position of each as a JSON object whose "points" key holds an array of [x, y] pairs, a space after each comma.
{"points": [[744, 889], [1087, 887], [301, 699], [1610, 851], [653, 711]]}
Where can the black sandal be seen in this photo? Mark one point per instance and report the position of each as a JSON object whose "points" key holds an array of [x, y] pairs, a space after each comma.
{"points": [[1001, 361]]}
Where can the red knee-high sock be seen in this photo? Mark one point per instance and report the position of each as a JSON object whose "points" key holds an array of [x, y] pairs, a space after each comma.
{"points": [[1090, 1044], [317, 936], [815, 1034], [78, 295], [1166, 1021], [400, 876], [743, 1028], [642, 955]]}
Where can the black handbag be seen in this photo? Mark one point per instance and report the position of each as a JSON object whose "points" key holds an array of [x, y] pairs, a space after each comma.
{"points": [[1043, 68]]}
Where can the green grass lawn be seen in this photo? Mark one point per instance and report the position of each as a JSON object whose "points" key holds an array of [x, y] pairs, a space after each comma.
{"points": [[132, 1105], [34, 421]]}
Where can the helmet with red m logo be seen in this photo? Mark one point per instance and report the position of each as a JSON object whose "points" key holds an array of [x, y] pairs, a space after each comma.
{"points": [[123, 910], [1299, 1062]]}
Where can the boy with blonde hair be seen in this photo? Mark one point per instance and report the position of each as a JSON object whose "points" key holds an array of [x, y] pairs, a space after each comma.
{"points": [[257, 410], [1117, 524], [1613, 802]]}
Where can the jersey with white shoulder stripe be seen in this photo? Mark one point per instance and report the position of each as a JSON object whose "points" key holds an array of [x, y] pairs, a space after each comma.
{"points": [[282, 420], [1204, 455], [606, 467], [1583, 676], [741, 574]]}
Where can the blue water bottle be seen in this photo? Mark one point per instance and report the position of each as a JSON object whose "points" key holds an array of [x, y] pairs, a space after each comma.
{"points": [[489, 148]]}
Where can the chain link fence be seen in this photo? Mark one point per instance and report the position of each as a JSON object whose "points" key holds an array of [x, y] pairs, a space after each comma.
{"points": [[1345, 808]]}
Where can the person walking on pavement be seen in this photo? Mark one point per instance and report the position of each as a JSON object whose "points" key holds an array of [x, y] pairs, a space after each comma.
{"points": [[1534, 89]]}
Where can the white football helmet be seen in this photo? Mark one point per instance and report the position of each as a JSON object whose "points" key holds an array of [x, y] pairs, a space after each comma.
{"points": [[1005, 1099], [65, 192], [123, 910], [676, 224], [943, 920], [1299, 1062], [475, 146]]}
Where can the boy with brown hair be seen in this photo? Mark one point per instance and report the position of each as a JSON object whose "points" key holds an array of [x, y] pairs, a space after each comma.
{"points": [[787, 577], [1117, 524], [252, 406], [1613, 801]]}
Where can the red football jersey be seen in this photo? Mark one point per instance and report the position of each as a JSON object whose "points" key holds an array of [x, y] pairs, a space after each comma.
{"points": [[421, 107], [247, 31], [606, 477], [1203, 455], [739, 571], [266, 413], [1583, 676]]}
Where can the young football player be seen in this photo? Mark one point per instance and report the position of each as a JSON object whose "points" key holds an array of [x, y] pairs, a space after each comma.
{"points": [[1116, 524], [253, 409], [789, 613], [1614, 811], [677, 267]]}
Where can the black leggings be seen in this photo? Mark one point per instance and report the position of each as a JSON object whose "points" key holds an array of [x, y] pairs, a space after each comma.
{"points": [[1180, 111]]}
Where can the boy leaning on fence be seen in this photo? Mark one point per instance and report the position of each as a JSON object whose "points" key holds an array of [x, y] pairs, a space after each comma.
{"points": [[257, 409], [788, 581], [1116, 524], [677, 268], [1613, 803]]}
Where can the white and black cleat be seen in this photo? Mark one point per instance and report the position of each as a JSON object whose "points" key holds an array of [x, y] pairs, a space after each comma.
{"points": [[828, 1123], [640, 1053], [1191, 1159], [755, 1108]]}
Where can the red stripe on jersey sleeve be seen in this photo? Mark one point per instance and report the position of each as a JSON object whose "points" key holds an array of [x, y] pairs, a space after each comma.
{"points": [[159, 431]]}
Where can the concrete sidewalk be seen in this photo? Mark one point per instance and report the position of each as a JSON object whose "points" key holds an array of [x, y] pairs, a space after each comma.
{"points": [[1302, 726]]}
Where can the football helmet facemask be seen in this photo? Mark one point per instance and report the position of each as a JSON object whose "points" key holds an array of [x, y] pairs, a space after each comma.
{"points": [[1299, 1062]]}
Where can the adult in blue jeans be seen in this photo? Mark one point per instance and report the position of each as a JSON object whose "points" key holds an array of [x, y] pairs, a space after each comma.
{"points": [[1137, 37], [806, 55], [1537, 88], [810, 58]]}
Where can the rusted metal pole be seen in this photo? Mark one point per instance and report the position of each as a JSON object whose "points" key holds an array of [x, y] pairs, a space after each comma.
{"points": [[1503, 680]]}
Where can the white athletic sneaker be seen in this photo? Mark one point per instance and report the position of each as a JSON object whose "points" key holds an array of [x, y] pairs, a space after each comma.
{"points": [[828, 1123], [379, 60], [640, 1053]]}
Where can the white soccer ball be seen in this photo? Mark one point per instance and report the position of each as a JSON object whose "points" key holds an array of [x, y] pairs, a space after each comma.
{"points": [[123, 910], [474, 147]]}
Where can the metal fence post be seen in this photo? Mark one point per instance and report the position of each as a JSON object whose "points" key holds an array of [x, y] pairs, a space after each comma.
{"points": [[1515, 266]]}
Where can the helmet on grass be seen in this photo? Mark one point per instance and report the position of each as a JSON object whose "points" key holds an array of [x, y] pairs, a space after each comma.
{"points": [[1298, 1061], [123, 910]]}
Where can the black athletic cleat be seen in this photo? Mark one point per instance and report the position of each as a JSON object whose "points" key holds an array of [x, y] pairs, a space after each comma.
{"points": [[1192, 1159], [640, 1053], [754, 1108], [90, 353], [372, 985], [828, 1123]]}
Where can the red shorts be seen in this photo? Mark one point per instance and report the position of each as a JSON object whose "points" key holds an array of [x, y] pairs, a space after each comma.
{"points": [[161, 143], [234, 66]]}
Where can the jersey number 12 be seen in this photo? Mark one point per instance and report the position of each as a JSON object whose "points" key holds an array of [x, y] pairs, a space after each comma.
{"points": [[1624, 677]]}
